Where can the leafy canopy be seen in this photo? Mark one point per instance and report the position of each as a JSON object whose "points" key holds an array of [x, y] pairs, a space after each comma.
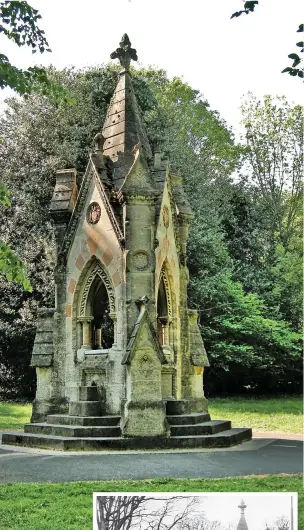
{"points": [[18, 22]]}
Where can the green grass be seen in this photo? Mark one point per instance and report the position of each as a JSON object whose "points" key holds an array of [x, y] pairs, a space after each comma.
{"points": [[68, 506], [14, 415], [283, 414]]}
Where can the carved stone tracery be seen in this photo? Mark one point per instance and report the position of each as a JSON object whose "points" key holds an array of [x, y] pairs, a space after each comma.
{"points": [[97, 271]]}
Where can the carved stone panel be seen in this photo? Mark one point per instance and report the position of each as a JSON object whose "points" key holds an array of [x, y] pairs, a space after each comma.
{"points": [[93, 213]]}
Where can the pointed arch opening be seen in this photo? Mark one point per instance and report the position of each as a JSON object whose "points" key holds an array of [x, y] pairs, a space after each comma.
{"points": [[98, 308], [162, 314], [164, 310], [95, 309], [166, 327]]}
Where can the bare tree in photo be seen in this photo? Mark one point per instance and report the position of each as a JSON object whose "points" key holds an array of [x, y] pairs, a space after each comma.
{"points": [[117, 513], [202, 523], [120, 512]]}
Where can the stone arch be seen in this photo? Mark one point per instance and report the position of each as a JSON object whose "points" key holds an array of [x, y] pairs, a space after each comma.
{"points": [[166, 305], [167, 328], [92, 273], [166, 277]]}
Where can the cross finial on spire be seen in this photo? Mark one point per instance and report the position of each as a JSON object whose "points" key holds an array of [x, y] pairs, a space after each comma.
{"points": [[242, 506], [124, 53]]}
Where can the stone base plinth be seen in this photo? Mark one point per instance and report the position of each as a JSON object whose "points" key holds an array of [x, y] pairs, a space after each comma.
{"points": [[186, 406], [145, 419], [41, 408]]}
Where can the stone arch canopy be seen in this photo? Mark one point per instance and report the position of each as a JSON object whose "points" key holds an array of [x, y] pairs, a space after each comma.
{"points": [[165, 276], [92, 270]]}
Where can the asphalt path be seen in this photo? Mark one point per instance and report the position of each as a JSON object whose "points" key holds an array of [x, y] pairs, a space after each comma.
{"points": [[257, 457]]}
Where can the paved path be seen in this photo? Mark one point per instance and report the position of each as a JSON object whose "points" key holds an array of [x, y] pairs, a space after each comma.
{"points": [[256, 457]]}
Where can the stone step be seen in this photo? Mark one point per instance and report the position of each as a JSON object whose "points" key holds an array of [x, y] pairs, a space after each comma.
{"points": [[208, 427], [74, 431], [85, 408], [90, 421], [88, 393], [64, 443], [188, 419], [186, 406], [227, 438]]}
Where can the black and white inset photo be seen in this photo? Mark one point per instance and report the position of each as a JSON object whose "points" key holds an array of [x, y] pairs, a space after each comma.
{"points": [[205, 511]]}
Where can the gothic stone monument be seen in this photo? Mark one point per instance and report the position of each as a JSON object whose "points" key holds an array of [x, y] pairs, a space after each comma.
{"points": [[120, 359]]}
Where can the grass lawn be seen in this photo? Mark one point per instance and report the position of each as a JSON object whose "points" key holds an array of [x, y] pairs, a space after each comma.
{"points": [[68, 506], [14, 415], [282, 414]]}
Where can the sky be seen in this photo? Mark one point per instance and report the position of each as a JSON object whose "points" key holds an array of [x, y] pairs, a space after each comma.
{"points": [[195, 39], [261, 507]]}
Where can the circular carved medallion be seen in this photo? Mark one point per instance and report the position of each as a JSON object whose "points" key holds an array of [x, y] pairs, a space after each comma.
{"points": [[141, 260], [93, 213], [166, 218]]}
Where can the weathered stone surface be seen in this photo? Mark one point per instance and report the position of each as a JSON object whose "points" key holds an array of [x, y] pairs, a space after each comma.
{"points": [[92, 421], [85, 408], [186, 406], [227, 439]]}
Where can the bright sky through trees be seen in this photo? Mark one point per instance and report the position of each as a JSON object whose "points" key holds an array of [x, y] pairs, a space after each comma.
{"points": [[196, 39]]}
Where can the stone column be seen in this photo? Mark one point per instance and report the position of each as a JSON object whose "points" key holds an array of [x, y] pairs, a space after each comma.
{"points": [[171, 333], [86, 332], [113, 316], [166, 335], [98, 338]]}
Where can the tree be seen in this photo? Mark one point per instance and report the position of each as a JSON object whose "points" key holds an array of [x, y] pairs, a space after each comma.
{"points": [[18, 22], [281, 523], [118, 513], [152, 513], [249, 7], [274, 137], [266, 229], [10, 263]]}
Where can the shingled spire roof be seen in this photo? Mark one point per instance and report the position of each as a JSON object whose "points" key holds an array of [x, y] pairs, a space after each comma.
{"points": [[123, 130], [242, 522]]}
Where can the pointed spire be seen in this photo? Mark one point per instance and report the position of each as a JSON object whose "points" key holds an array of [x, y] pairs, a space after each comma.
{"points": [[123, 129], [242, 522]]}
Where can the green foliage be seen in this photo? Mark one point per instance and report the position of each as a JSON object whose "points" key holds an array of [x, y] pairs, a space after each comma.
{"points": [[274, 137], [10, 263], [263, 222], [293, 70], [18, 22], [242, 341], [249, 7], [12, 266], [287, 278]]}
